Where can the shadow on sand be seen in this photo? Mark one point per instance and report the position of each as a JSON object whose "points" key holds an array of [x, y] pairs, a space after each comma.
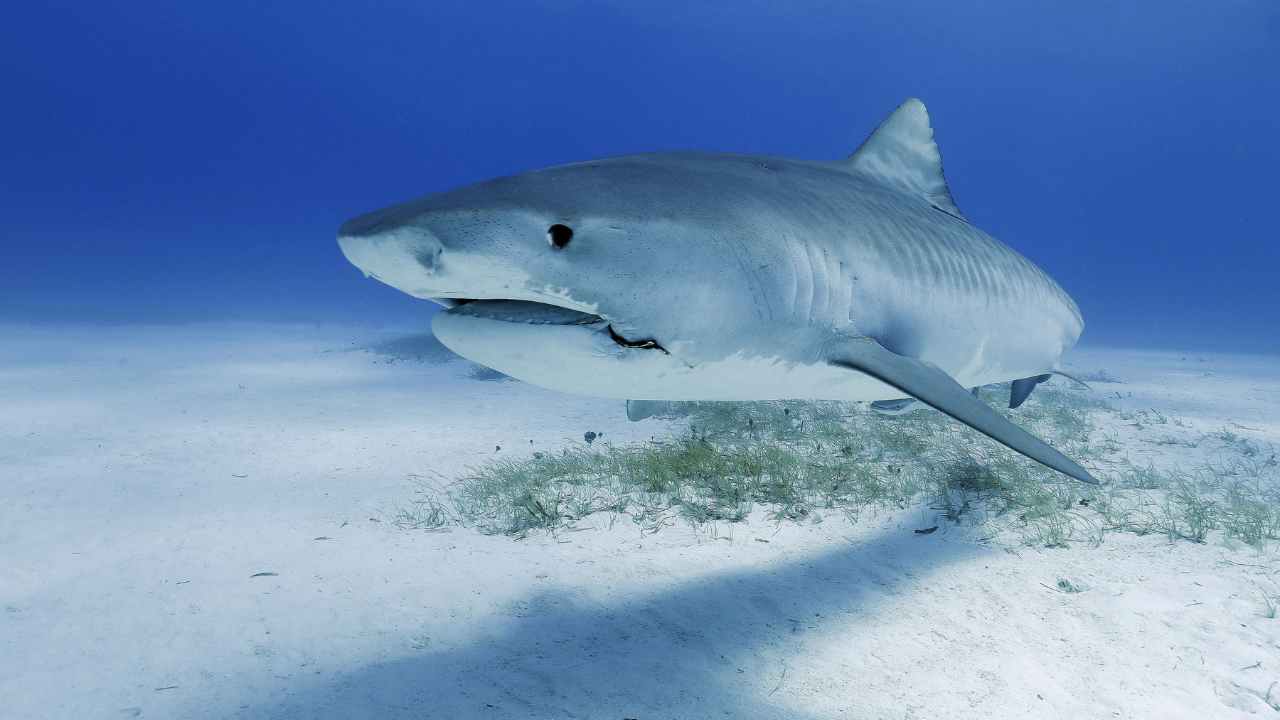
{"points": [[425, 348], [713, 648], [418, 347]]}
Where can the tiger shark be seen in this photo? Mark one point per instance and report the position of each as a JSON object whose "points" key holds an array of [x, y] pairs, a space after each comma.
{"points": [[700, 276]]}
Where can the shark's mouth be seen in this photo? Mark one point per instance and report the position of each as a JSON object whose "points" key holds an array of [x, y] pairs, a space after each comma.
{"points": [[537, 313]]}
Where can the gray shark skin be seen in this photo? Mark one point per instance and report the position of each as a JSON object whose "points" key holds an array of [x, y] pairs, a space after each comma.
{"points": [[697, 276]]}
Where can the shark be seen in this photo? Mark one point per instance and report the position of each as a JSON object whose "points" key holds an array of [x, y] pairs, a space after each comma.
{"points": [[715, 276]]}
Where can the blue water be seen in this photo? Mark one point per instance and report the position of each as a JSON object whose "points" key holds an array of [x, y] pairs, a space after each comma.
{"points": [[192, 161]]}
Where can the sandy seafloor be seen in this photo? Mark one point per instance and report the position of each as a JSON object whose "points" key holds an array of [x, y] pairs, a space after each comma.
{"points": [[147, 474]]}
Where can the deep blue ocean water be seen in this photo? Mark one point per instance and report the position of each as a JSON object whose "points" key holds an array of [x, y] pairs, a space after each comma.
{"points": [[192, 161]]}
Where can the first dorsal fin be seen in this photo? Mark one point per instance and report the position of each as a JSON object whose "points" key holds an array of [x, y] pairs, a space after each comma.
{"points": [[901, 153]]}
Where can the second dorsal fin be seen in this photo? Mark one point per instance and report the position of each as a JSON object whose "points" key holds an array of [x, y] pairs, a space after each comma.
{"points": [[901, 153]]}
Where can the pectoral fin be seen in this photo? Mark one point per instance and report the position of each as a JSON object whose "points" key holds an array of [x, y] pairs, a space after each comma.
{"points": [[1021, 389], [935, 388]]}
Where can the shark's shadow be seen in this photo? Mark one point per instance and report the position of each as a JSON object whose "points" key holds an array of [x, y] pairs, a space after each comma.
{"points": [[422, 347], [425, 348], [717, 647]]}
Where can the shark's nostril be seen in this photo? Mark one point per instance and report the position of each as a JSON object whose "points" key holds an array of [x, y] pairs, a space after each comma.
{"points": [[430, 257]]}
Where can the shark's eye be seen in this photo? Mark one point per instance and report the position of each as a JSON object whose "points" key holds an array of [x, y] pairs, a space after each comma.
{"points": [[559, 235]]}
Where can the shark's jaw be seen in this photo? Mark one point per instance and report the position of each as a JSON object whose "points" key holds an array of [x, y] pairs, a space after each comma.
{"points": [[529, 312], [553, 346]]}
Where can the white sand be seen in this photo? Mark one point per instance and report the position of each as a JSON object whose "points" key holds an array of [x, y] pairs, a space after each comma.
{"points": [[147, 473]]}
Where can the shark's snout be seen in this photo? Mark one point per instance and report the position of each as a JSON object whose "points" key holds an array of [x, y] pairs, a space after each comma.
{"points": [[406, 258]]}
